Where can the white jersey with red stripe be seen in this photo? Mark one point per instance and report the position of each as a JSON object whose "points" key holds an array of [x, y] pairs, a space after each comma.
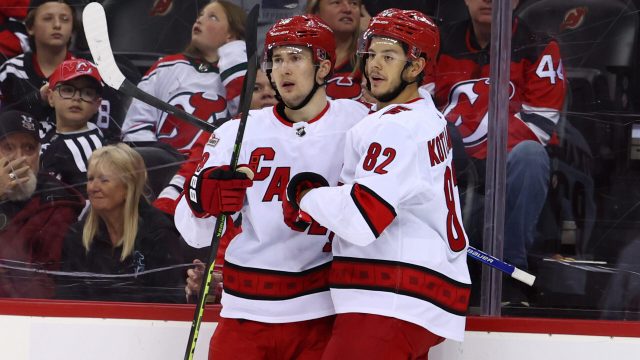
{"points": [[400, 247], [208, 91], [274, 274]]}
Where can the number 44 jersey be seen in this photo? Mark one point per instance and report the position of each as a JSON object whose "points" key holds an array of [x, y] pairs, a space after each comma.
{"points": [[400, 247], [536, 86]]}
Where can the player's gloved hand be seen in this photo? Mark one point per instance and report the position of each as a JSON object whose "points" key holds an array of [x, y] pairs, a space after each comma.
{"points": [[218, 190], [295, 218]]}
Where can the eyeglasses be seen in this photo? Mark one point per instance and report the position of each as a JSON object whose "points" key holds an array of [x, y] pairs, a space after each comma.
{"points": [[87, 94]]}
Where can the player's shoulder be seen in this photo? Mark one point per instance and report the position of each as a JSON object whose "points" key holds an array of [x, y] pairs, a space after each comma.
{"points": [[347, 111], [257, 122], [350, 104], [406, 115]]}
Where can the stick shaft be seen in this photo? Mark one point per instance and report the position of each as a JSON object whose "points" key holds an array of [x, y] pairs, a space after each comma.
{"points": [[245, 102], [496, 263]]}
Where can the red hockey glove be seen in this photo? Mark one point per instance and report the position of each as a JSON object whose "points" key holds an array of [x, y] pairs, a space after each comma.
{"points": [[295, 218], [217, 190]]}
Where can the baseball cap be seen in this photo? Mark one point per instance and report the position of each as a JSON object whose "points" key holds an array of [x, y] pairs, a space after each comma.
{"points": [[71, 69], [17, 121]]}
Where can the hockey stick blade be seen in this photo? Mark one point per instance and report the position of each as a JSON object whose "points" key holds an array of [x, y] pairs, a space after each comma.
{"points": [[496, 263], [245, 102], [95, 28]]}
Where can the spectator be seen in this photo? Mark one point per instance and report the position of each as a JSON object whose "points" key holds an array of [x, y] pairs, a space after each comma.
{"points": [[36, 210], [286, 290], [74, 93], [205, 80], [343, 17], [50, 25], [536, 97], [263, 94], [13, 34], [122, 234], [399, 233]]}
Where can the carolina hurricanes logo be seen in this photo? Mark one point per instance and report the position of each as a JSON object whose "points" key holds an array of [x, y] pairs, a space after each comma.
{"points": [[161, 7], [468, 109], [574, 18], [179, 133]]}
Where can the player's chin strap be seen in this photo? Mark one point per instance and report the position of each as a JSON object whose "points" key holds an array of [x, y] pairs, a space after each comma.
{"points": [[304, 101]]}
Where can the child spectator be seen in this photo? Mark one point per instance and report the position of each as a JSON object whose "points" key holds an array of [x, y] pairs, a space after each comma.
{"points": [[74, 93], [51, 25], [205, 80]]}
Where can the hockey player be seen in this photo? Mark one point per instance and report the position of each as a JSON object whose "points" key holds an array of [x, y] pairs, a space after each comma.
{"points": [[399, 279], [276, 301]]}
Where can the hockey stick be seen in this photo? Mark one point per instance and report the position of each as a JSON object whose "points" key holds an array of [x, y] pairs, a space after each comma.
{"points": [[496, 263], [95, 29], [245, 102]]}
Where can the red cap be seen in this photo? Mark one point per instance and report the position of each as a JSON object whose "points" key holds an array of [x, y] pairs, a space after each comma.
{"points": [[71, 69]]}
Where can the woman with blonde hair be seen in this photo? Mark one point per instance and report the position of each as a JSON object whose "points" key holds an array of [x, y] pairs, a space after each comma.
{"points": [[343, 17], [122, 234]]}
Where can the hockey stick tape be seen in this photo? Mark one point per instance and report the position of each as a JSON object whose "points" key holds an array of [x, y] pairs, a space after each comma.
{"points": [[246, 170]]}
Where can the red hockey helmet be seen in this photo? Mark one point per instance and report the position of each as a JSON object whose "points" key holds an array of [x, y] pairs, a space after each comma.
{"points": [[302, 30], [411, 27]]}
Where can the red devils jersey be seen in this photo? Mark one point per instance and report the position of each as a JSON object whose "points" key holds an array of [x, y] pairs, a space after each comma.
{"points": [[208, 91], [399, 249], [272, 273], [536, 87], [345, 83]]}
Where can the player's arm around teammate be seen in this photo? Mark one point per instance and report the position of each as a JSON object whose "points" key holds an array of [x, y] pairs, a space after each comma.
{"points": [[276, 279], [397, 220]]}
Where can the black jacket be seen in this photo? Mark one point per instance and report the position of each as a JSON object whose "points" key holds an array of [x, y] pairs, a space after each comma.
{"points": [[156, 247]]}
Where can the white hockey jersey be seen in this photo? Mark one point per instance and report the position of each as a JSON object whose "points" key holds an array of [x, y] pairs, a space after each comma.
{"points": [[274, 274], [209, 92], [400, 248]]}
